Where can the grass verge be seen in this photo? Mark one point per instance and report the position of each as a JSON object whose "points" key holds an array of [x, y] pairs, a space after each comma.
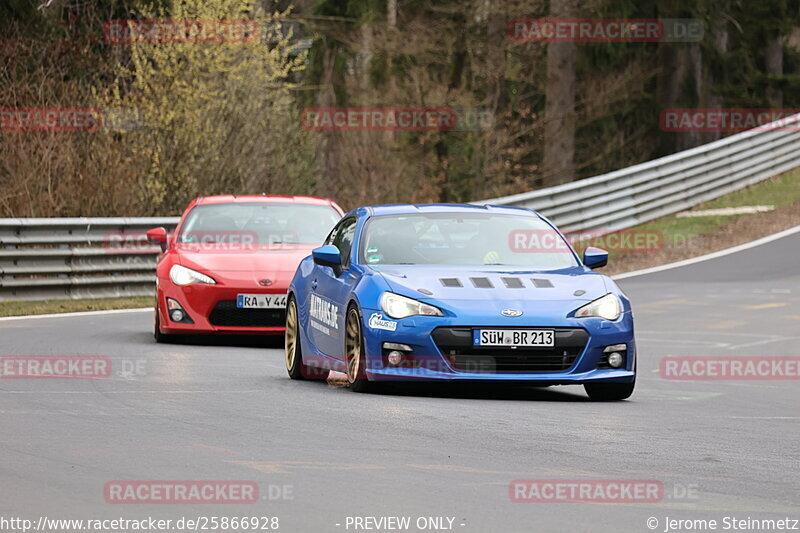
{"points": [[71, 306], [682, 238]]}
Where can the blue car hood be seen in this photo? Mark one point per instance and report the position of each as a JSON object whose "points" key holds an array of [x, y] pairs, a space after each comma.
{"points": [[571, 286]]}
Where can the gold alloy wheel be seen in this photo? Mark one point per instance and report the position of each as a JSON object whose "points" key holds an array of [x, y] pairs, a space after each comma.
{"points": [[291, 335], [352, 345]]}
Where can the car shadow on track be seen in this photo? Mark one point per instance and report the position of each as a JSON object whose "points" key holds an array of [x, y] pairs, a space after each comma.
{"points": [[476, 391], [243, 341], [482, 391]]}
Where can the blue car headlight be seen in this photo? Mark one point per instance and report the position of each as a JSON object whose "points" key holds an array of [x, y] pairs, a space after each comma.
{"points": [[608, 307], [397, 306]]}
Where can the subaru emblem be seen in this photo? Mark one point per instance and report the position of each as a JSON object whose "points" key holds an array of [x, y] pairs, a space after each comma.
{"points": [[511, 312]]}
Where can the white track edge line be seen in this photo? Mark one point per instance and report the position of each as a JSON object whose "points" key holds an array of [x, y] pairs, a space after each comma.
{"points": [[712, 255], [77, 314]]}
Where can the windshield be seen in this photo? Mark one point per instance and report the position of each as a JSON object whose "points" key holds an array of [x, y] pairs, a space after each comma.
{"points": [[258, 223], [464, 239]]}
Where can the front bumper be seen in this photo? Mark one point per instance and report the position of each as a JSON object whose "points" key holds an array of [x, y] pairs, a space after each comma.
{"points": [[441, 349], [212, 309]]}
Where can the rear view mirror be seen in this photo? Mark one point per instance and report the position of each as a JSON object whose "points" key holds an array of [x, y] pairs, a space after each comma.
{"points": [[595, 257], [158, 236], [327, 255]]}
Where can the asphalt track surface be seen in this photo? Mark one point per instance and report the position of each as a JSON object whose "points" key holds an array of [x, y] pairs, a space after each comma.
{"points": [[225, 410]]}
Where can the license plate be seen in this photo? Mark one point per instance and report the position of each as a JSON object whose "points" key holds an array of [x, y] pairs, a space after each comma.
{"points": [[260, 301], [513, 337]]}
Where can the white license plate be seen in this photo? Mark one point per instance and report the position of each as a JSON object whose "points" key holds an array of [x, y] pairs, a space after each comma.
{"points": [[260, 301], [513, 337]]}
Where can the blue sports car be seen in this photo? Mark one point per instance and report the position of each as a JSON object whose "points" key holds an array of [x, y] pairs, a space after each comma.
{"points": [[458, 293]]}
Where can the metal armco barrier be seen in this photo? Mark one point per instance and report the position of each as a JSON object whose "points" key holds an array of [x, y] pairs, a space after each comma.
{"points": [[73, 258], [643, 192]]}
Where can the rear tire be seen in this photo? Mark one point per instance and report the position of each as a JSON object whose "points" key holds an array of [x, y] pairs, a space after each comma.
{"points": [[354, 353], [609, 392], [294, 354]]}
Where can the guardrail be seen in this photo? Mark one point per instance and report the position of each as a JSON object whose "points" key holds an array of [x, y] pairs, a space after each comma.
{"points": [[643, 192], [73, 258]]}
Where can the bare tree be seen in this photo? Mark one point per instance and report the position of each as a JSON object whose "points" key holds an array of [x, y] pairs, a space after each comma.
{"points": [[773, 63], [559, 136]]}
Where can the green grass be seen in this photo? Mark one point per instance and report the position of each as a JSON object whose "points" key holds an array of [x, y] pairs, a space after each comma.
{"points": [[685, 237], [779, 191], [71, 306]]}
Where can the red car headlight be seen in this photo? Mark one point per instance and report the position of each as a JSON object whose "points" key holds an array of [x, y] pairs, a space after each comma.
{"points": [[180, 275]]}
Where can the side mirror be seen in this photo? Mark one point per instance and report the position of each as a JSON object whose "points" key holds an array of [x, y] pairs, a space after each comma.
{"points": [[595, 257], [327, 255], [158, 236]]}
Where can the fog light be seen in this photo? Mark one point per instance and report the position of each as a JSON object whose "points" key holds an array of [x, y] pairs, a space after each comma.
{"points": [[394, 357], [615, 360], [176, 313]]}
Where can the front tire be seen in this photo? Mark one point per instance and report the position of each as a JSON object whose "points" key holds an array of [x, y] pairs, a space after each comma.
{"points": [[161, 338], [609, 392], [294, 354]]}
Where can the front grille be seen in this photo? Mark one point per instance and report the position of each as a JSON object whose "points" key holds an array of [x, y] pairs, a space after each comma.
{"points": [[455, 343], [226, 313]]}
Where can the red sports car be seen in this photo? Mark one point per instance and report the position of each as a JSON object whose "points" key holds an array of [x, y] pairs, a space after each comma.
{"points": [[228, 264]]}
